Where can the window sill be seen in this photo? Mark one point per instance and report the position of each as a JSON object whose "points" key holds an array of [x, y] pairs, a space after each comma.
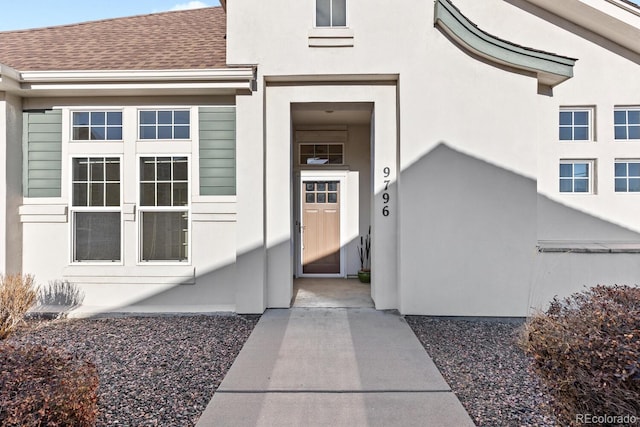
{"points": [[563, 246], [331, 37], [118, 274]]}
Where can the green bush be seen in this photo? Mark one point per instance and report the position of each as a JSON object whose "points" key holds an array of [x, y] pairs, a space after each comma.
{"points": [[17, 295], [586, 350], [44, 387]]}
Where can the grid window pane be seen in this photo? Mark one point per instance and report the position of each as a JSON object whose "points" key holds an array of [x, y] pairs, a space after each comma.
{"points": [[181, 118], [90, 183], [621, 185], [165, 124], [148, 117], [147, 132], [627, 176], [338, 13], [566, 185], [574, 125], [81, 119], [575, 177], [164, 181], [97, 236], [321, 154], [580, 133], [164, 236], [323, 13], [627, 123], [114, 133], [97, 125], [581, 185]]}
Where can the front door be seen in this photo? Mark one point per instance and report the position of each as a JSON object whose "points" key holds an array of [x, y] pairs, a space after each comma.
{"points": [[320, 227]]}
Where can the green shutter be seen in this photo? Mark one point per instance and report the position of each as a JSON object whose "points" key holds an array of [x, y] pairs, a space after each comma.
{"points": [[217, 151], [42, 144]]}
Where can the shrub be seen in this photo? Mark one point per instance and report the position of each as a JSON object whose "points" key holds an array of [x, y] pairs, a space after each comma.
{"points": [[44, 387], [586, 350], [17, 295]]}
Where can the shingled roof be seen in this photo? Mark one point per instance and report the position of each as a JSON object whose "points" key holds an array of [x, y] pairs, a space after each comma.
{"points": [[190, 39]]}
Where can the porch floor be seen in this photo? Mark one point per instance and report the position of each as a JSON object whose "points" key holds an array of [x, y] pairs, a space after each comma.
{"points": [[331, 293]]}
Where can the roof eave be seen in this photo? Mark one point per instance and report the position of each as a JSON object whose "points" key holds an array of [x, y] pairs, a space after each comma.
{"points": [[611, 20], [138, 82], [550, 69]]}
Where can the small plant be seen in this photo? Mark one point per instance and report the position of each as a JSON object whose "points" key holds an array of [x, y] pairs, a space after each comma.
{"points": [[364, 251], [17, 296], [586, 351], [44, 387]]}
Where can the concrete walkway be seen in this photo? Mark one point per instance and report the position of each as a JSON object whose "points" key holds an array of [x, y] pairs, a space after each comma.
{"points": [[333, 367]]}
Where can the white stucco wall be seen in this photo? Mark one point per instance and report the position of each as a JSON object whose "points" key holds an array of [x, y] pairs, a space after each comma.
{"points": [[478, 147]]}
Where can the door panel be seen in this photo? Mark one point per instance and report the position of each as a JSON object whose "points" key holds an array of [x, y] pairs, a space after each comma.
{"points": [[321, 227]]}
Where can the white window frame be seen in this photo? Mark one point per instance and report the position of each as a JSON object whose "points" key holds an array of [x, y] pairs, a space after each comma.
{"points": [[626, 125], [173, 109], [315, 15], [625, 161], [590, 124], [142, 209], [96, 110], [97, 209], [591, 177]]}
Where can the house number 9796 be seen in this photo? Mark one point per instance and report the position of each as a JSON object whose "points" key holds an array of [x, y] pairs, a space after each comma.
{"points": [[385, 195]]}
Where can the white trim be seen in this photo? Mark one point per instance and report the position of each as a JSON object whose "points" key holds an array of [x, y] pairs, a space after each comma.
{"points": [[332, 175], [218, 74]]}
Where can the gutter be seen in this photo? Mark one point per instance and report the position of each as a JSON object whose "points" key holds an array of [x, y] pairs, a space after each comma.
{"points": [[87, 82]]}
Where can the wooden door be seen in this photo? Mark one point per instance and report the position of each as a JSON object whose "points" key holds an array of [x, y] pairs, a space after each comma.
{"points": [[321, 227]]}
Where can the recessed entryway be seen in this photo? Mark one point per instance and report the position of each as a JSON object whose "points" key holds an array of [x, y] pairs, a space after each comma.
{"points": [[331, 293]]}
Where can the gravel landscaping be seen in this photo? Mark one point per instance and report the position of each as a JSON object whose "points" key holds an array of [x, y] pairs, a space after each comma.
{"points": [[485, 368], [154, 371]]}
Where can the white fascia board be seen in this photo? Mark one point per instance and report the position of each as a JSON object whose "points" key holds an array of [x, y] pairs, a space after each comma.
{"points": [[135, 82], [224, 74]]}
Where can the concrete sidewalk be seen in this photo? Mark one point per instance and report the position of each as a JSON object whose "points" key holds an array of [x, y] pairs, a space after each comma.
{"points": [[333, 367]]}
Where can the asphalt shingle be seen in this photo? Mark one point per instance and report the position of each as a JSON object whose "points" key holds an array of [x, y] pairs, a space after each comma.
{"points": [[190, 39]]}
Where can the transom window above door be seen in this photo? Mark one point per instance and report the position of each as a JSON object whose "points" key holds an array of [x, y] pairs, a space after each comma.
{"points": [[331, 13], [321, 154]]}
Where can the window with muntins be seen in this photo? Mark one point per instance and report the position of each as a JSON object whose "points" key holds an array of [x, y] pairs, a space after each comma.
{"points": [[575, 125], [164, 201], [322, 154], [626, 123], [164, 124], [331, 13], [97, 126], [96, 211], [576, 176], [627, 176]]}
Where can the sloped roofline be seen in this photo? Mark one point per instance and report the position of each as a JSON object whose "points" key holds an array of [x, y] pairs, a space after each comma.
{"points": [[549, 68]]}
